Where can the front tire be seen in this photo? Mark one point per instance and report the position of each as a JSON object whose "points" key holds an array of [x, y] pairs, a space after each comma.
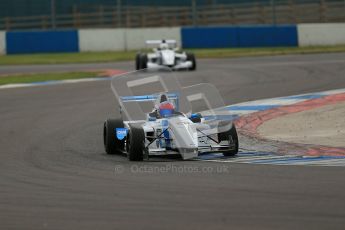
{"points": [[112, 145], [135, 143], [137, 61], [225, 136], [143, 61]]}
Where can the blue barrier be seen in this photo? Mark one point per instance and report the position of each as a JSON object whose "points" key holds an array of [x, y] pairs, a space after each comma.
{"points": [[23, 42], [239, 36], [267, 36], [208, 37]]}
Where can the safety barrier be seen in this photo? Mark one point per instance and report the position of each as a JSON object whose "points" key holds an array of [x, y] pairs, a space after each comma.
{"points": [[42, 41], [101, 40], [321, 34], [243, 36], [2, 42], [189, 37], [267, 36], [209, 37], [123, 39], [136, 37]]}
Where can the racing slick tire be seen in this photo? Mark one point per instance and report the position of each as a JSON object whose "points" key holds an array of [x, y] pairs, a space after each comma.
{"points": [[191, 57], [137, 61], [135, 143], [143, 61], [112, 144], [225, 136]]}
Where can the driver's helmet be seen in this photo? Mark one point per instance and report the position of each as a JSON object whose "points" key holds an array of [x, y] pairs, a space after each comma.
{"points": [[166, 109]]}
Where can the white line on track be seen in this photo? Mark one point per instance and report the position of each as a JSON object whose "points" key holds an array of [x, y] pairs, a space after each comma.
{"points": [[277, 160], [58, 82]]}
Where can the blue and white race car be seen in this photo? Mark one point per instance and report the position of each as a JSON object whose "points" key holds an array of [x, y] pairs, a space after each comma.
{"points": [[162, 123]]}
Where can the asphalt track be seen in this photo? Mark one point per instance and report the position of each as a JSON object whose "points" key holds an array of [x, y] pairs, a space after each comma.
{"points": [[54, 173]]}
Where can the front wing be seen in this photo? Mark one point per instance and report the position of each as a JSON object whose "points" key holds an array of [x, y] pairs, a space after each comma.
{"points": [[182, 65], [206, 144]]}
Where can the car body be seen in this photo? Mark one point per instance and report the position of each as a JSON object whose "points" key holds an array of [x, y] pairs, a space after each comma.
{"points": [[165, 54], [140, 133]]}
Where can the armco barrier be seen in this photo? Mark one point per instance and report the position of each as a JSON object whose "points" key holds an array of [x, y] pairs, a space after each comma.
{"points": [[321, 34], [239, 36], [102, 40], [2, 42], [42, 41]]}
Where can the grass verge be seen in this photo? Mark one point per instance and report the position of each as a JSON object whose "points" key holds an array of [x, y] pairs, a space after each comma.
{"points": [[89, 57], [29, 78], [62, 58]]}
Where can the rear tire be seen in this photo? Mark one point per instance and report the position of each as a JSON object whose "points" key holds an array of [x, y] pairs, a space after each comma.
{"points": [[225, 136], [191, 57], [135, 143], [112, 145]]}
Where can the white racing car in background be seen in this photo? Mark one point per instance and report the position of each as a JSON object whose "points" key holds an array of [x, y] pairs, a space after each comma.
{"points": [[166, 54], [162, 123]]}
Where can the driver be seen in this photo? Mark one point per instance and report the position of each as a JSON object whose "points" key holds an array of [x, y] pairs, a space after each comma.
{"points": [[163, 45], [164, 108]]}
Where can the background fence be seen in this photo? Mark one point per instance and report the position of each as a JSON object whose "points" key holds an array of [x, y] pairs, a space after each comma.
{"points": [[119, 15]]}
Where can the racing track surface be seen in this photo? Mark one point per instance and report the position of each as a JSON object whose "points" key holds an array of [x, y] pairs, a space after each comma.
{"points": [[54, 173]]}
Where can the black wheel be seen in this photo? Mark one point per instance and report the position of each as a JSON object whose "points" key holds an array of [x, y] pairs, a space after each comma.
{"points": [[135, 143], [143, 61], [137, 61], [231, 136], [112, 144], [191, 57]]}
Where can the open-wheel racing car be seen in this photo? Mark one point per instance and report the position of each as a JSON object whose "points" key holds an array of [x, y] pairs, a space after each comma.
{"points": [[166, 54], [171, 120]]}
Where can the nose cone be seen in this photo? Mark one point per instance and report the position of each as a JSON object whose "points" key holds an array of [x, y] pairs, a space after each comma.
{"points": [[185, 137], [168, 57]]}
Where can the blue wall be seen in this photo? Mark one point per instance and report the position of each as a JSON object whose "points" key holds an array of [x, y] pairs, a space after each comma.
{"points": [[42, 41], [209, 37], [241, 36], [267, 36]]}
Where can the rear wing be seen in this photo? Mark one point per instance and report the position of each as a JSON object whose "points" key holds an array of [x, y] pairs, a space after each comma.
{"points": [[157, 42]]}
